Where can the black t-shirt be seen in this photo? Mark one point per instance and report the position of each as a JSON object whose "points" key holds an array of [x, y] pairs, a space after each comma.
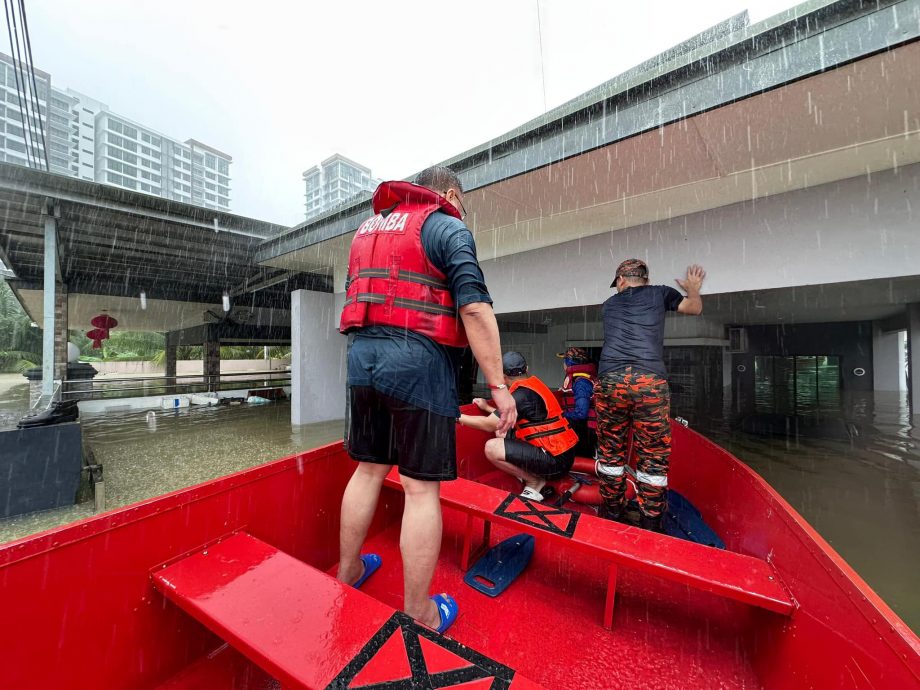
{"points": [[634, 328], [530, 405]]}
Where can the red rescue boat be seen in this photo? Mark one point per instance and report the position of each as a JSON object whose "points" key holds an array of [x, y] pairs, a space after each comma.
{"points": [[227, 585]]}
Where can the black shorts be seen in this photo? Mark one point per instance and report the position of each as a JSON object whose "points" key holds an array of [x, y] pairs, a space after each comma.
{"points": [[537, 461], [387, 431]]}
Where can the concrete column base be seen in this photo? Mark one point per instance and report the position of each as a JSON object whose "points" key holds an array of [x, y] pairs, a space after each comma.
{"points": [[211, 370], [60, 332], [171, 345]]}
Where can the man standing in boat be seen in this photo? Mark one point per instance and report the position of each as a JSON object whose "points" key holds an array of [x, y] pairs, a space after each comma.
{"points": [[415, 296], [544, 443], [632, 393]]}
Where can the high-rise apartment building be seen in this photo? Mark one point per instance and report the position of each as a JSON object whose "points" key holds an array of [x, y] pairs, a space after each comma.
{"points": [[22, 104], [334, 181], [87, 140]]}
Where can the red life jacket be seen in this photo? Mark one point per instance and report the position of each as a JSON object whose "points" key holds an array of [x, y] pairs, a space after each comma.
{"points": [[553, 434], [572, 374], [390, 280]]}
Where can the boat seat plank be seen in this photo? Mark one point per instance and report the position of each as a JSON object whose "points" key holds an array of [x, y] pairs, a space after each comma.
{"points": [[299, 624], [222, 669], [731, 575]]}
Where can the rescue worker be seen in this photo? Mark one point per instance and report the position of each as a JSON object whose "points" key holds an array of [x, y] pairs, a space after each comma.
{"points": [[578, 398], [543, 443], [414, 297], [632, 393]]}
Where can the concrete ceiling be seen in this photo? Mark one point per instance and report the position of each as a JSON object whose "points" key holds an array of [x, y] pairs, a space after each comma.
{"points": [[160, 315], [870, 300], [851, 121]]}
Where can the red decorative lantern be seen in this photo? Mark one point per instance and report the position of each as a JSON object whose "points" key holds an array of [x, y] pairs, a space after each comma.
{"points": [[105, 322], [97, 335]]}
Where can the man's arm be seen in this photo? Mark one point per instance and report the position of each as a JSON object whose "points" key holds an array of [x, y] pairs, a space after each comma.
{"points": [[482, 332], [692, 304], [489, 422]]}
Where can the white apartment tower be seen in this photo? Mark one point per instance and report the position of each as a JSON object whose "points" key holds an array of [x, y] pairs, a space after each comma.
{"points": [[19, 103], [87, 140], [334, 181]]}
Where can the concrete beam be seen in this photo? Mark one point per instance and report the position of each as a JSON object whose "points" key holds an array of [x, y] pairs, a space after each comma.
{"points": [[803, 41]]}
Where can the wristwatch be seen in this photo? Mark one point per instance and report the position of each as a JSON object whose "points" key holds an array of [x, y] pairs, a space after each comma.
{"points": [[499, 387]]}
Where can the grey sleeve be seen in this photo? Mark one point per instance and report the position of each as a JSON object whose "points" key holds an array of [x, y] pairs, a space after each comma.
{"points": [[450, 247]]}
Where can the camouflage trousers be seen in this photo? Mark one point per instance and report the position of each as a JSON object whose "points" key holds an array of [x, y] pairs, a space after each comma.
{"points": [[638, 403]]}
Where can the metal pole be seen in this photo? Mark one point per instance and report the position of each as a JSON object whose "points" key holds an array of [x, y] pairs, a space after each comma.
{"points": [[49, 303]]}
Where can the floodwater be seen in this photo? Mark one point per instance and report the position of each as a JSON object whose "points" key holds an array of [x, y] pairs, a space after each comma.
{"points": [[143, 458], [860, 491], [860, 488], [14, 399]]}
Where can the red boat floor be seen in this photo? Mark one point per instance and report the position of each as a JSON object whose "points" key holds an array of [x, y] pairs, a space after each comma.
{"points": [[547, 624]]}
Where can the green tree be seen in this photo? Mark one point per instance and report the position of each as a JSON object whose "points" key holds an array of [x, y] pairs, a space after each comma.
{"points": [[20, 343]]}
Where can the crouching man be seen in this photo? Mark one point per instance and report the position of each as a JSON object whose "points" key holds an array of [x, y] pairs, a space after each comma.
{"points": [[542, 443]]}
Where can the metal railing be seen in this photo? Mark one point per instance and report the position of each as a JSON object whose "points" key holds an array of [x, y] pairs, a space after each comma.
{"points": [[139, 386]]}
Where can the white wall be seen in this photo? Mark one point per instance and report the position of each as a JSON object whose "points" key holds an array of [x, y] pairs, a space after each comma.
{"points": [[187, 367], [861, 228], [888, 360], [317, 357]]}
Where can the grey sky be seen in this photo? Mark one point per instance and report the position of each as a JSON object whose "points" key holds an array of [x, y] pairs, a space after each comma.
{"points": [[395, 86]]}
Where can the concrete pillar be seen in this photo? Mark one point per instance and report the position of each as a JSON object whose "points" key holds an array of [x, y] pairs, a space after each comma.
{"points": [[913, 358], [60, 332], [211, 369], [887, 359], [49, 304], [172, 346], [317, 357]]}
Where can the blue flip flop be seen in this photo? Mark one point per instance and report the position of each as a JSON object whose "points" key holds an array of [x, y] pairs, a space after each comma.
{"points": [[447, 609], [371, 563]]}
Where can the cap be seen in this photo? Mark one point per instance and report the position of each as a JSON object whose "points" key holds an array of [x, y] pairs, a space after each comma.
{"points": [[577, 355], [513, 363], [631, 268]]}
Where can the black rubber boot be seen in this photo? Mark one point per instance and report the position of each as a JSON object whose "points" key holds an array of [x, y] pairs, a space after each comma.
{"points": [[607, 513], [652, 524]]}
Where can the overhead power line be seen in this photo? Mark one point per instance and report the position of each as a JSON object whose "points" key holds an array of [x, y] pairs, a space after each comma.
{"points": [[26, 85]]}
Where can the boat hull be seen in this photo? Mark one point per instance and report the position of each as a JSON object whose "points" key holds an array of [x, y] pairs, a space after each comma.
{"points": [[84, 592]]}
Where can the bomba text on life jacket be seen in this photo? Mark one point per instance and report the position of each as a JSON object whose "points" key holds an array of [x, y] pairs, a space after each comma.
{"points": [[395, 222]]}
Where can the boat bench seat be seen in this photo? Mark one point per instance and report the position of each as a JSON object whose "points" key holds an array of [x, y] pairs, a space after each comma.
{"points": [[731, 575], [308, 630], [223, 668]]}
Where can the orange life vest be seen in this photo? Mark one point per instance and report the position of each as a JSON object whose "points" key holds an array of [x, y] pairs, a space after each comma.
{"points": [[553, 434]]}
